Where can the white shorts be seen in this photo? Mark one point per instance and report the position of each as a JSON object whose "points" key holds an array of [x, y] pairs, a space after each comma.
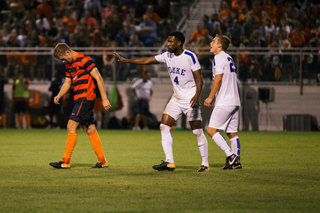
{"points": [[175, 110], [225, 118]]}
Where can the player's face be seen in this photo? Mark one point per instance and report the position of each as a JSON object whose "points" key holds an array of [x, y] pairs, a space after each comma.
{"points": [[214, 45], [66, 58], [173, 45]]}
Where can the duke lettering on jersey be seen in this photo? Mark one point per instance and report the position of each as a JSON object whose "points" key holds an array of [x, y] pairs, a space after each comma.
{"points": [[177, 70]]}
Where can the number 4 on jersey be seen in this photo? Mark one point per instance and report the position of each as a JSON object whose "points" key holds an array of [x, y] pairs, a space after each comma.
{"points": [[176, 80], [232, 66]]}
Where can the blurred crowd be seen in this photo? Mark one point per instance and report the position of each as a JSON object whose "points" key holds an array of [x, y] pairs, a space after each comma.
{"points": [[265, 24], [79, 23]]}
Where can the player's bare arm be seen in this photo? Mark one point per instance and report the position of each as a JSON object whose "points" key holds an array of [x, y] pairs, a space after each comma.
{"points": [[64, 89], [215, 88], [143, 60], [199, 82], [105, 102]]}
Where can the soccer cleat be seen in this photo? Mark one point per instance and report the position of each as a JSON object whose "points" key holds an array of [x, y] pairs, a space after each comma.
{"points": [[236, 166], [60, 165], [230, 161], [101, 165], [203, 168], [165, 166]]}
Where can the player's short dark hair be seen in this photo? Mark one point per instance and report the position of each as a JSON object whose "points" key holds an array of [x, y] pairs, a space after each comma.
{"points": [[224, 41], [178, 35]]}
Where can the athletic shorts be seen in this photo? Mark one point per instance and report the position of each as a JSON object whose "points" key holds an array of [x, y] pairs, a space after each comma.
{"points": [[175, 110], [21, 106], [82, 112], [225, 118], [143, 107]]}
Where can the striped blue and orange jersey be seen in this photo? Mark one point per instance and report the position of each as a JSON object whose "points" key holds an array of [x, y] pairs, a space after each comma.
{"points": [[83, 83]]}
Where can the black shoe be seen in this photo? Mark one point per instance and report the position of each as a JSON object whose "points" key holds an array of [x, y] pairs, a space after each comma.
{"points": [[60, 165], [203, 168], [101, 165], [165, 166], [236, 166], [230, 161]]}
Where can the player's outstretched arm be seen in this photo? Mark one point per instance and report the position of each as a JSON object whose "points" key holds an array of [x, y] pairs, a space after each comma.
{"points": [[143, 60]]}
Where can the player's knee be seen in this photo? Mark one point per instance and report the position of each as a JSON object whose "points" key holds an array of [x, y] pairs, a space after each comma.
{"points": [[211, 131], [197, 132], [164, 128]]}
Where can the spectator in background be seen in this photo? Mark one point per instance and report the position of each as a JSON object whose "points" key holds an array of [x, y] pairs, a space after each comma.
{"points": [[202, 48], [90, 21], [139, 10], [89, 3], [58, 17], [249, 26], [21, 99], [3, 81], [5, 32], [207, 24], [63, 36], [147, 32], [150, 12], [45, 9], [55, 111], [197, 35], [68, 21], [297, 36], [164, 23], [142, 90], [215, 18], [225, 12], [236, 29], [306, 11]]}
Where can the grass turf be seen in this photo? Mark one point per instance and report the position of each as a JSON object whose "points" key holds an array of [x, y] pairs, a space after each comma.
{"points": [[279, 174]]}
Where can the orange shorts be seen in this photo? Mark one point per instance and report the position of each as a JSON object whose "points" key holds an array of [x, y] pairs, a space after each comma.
{"points": [[97, 104]]}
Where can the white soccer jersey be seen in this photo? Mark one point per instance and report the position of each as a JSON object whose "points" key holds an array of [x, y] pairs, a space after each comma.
{"points": [[228, 94], [180, 69], [143, 88]]}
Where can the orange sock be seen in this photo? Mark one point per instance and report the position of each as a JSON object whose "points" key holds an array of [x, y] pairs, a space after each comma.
{"points": [[97, 147], [71, 142], [4, 121], [27, 117], [19, 118]]}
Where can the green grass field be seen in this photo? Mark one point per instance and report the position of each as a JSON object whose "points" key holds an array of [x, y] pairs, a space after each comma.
{"points": [[280, 174]]}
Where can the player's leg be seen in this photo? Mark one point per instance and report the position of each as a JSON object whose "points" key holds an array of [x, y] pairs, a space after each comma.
{"points": [[220, 118], [202, 144], [145, 114], [138, 116], [97, 146], [70, 144], [234, 139]]}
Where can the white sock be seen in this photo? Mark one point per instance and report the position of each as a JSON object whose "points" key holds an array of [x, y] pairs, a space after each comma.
{"points": [[98, 124], [203, 145], [235, 146], [166, 140], [222, 143]]}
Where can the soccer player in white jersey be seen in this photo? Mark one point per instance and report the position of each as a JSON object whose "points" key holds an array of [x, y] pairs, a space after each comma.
{"points": [[185, 73], [227, 102]]}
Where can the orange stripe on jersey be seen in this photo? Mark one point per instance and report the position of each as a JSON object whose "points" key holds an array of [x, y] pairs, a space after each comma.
{"points": [[79, 71]]}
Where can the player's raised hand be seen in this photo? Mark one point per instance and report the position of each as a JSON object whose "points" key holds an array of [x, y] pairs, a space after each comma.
{"points": [[123, 60]]}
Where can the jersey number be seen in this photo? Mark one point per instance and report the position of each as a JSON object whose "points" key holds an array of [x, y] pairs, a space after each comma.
{"points": [[232, 66], [176, 80]]}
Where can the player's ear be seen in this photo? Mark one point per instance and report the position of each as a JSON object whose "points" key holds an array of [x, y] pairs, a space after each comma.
{"points": [[179, 43]]}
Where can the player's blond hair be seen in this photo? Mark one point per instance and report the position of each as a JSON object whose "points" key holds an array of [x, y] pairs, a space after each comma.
{"points": [[60, 50]]}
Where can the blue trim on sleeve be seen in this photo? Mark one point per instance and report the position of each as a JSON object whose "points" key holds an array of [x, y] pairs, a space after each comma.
{"points": [[191, 55], [164, 52], [214, 61]]}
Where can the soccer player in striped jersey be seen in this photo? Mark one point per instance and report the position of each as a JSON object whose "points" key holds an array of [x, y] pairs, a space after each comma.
{"points": [[81, 73], [185, 73], [227, 102]]}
